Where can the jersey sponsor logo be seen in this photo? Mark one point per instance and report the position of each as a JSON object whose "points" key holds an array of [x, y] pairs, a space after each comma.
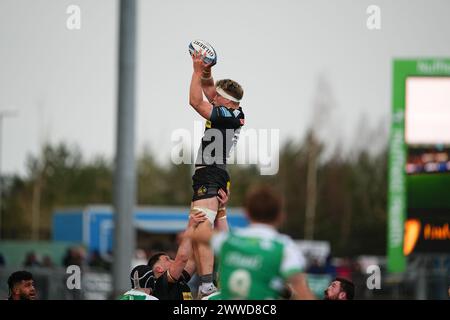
{"points": [[243, 261], [187, 296]]}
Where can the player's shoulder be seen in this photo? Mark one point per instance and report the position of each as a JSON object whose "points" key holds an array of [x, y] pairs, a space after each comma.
{"points": [[238, 113], [226, 112], [218, 239], [284, 239], [221, 236]]}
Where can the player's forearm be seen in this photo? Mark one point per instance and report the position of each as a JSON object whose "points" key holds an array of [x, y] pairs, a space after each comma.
{"points": [[207, 82], [195, 91], [301, 289], [209, 91], [221, 222], [190, 265], [207, 79], [222, 225], [303, 295], [185, 248], [181, 259]]}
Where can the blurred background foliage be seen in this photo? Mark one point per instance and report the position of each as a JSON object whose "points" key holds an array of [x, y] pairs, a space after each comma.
{"points": [[351, 191]]}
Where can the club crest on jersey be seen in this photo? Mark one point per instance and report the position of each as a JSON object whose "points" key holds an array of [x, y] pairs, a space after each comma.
{"points": [[202, 191]]}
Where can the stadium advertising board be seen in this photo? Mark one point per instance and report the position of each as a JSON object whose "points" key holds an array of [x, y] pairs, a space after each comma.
{"points": [[419, 159]]}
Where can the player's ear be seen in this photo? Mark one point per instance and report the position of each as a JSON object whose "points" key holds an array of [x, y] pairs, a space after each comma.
{"points": [[158, 268], [342, 295]]}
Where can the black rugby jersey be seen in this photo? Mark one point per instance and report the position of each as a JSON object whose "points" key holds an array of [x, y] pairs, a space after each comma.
{"points": [[179, 290], [220, 135]]}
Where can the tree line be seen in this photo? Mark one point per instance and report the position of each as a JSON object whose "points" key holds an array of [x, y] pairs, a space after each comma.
{"points": [[350, 191]]}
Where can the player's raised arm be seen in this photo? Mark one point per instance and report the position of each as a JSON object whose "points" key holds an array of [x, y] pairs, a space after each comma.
{"points": [[185, 249], [208, 87], [203, 107], [301, 290], [209, 60]]}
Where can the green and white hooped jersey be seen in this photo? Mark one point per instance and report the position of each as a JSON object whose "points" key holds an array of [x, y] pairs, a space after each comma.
{"points": [[136, 295], [254, 262]]}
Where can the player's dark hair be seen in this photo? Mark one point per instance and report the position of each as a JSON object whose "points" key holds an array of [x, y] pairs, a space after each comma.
{"points": [[154, 258], [231, 87], [263, 204], [348, 287], [18, 277]]}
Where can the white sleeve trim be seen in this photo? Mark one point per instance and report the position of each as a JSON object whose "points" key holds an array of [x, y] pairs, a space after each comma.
{"points": [[293, 258], [217, 241]]}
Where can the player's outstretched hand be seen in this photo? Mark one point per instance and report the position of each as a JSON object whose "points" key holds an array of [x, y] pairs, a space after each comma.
{"points": [[196, 218]]}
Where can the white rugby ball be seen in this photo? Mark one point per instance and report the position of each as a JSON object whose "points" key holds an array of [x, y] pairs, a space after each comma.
{"points": [[202, 46]]}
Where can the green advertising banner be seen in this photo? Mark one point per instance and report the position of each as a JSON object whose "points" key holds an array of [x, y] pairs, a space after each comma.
{"points": [[397, 191]]}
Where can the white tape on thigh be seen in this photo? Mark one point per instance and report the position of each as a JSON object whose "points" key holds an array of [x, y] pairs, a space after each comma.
{"points": [[210, 214]]}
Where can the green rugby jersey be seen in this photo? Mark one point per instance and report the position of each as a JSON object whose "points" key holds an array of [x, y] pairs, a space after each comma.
{"points": [[255, 262], [213, 296], [136, 295]]}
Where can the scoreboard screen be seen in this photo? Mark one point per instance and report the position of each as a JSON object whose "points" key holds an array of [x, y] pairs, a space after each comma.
{"points": [[427, 138], [427, 111], [419, 161]]}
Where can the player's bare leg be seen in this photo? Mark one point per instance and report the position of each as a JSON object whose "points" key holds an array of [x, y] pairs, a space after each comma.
{"points": [[205, 257], [203, 254]]}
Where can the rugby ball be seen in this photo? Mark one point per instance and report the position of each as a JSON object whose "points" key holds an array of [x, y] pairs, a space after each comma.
{"points": [[202, 46]]}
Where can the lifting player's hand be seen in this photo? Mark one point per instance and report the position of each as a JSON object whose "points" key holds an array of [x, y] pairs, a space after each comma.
{"points": [[220, 223], [223, 198], [196, 218]]}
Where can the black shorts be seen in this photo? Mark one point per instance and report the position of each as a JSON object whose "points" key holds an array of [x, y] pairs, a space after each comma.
{"points": [[207, 181]]}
